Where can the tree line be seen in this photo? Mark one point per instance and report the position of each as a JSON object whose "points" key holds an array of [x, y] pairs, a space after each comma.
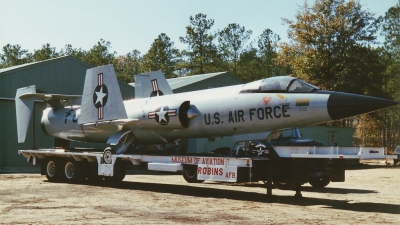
{"points": [[332, 44], [229, 49]]}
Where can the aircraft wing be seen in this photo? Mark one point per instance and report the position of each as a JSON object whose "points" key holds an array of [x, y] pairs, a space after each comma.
{"points": [[125, 124], [55, 100]]}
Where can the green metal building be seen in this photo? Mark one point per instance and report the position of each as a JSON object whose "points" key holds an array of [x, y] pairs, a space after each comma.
{"points": [[331, 136], [63, 75]]}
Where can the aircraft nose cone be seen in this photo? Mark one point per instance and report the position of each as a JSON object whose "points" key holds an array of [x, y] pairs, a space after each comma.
{"points": [[343, 105]]}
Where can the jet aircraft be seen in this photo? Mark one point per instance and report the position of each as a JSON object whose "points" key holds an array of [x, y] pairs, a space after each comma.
{"points": [[253, 111]]}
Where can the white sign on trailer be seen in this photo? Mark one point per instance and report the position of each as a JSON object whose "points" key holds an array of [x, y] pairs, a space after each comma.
{"points": [[217, 173]]}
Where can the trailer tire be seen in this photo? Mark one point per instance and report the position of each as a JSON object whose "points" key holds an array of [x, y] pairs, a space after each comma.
{"points": [[119, 173], [53, 170], [190, 174], [73, 171], [92, 173], [320, 182], [395, 161]]}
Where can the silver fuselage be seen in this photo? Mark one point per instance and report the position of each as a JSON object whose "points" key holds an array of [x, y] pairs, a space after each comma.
{"points": [[219, 112]]}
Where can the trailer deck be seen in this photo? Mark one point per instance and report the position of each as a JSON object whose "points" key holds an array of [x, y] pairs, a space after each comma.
{"points": [[288, 167]]}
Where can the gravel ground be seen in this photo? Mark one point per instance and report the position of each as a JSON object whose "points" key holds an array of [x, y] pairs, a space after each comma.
{"points": [[370, 195]]}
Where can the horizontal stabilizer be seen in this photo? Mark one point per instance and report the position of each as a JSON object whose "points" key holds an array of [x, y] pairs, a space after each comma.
{"points": [[56, 101], [151, 84]]}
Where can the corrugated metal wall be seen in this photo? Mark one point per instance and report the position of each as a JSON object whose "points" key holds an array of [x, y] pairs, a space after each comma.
{"points": [[65, 75], [343, 136], [127, 91], [8, 135]]}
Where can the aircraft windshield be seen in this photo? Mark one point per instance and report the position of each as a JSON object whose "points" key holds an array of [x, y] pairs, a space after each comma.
{"points": [[281, 84]]}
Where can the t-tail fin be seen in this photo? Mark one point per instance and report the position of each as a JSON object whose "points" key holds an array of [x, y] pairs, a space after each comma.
{"points": [[24, 105], [101, 99], [151, 85]]}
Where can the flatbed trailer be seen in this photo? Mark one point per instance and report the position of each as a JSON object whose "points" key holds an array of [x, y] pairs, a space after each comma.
{"points": [[285, 167]]}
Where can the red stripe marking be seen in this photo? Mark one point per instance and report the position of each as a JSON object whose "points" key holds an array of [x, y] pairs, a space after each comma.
{"points": [[84, 134], [155, 86], [100, 78], [172, 112], [100, 113]]}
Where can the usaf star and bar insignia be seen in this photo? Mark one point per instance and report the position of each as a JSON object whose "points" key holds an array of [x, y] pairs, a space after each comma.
{"points": [[100, 96], [162, 115]]}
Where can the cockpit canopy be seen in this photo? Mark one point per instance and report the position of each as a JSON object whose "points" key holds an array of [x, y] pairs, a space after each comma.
{"points": [[280, 84]]}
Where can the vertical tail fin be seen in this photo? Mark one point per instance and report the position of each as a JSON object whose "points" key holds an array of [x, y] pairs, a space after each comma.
{"points": [[151, 85], [23, 108], [101, 99]]}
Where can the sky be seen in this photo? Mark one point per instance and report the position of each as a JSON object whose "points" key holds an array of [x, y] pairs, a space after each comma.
{"points": [[134, 24]]}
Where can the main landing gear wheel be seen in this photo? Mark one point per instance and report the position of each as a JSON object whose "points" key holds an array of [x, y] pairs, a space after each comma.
{"points": [[72, 171], [190, 174], [320, 182], [107, 155], [52, 170]]}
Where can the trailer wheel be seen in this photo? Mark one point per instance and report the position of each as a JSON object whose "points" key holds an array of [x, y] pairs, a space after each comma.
{"points": [[72, 171], [107, 155], [52, 170], [119, 173], [92, 173], [320, 182], [395, 161], [190, 174]]}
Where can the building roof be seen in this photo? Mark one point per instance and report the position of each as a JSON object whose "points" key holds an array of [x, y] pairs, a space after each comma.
{"points": [[15, 67], [26, 65], [61, 75]]}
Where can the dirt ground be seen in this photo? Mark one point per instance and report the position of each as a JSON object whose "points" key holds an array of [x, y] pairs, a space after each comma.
{"points": [[370, 195]]}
